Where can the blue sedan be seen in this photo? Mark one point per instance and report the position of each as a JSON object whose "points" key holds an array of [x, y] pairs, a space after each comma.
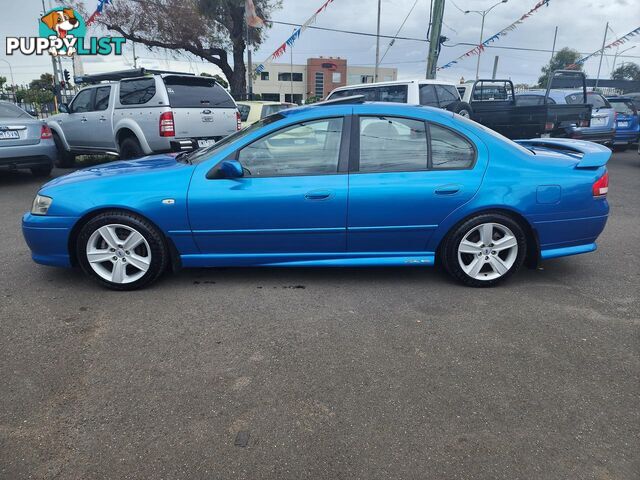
{"points": [[340, 184]]}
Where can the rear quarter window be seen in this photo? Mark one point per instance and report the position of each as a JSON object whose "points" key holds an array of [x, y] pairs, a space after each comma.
{"points": [[197, 92]]}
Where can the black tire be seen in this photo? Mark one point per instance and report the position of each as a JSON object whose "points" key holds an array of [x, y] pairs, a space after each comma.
{"points": [[449, 250], [65, 158], [156, 241], [42, 170], [130, 149], [461, 108]]}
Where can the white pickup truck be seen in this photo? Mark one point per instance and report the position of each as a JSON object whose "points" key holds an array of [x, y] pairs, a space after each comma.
{"points": [[142, 115]]}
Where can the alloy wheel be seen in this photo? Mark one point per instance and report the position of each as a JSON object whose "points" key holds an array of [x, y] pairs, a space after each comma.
{"points": [[488, 251], [118, 253]]}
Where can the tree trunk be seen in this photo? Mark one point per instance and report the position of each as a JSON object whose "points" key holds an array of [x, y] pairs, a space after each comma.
{"points": [[238, 80]]}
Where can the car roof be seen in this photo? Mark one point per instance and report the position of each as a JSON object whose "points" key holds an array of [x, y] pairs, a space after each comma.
{"points": [[420, 81]]}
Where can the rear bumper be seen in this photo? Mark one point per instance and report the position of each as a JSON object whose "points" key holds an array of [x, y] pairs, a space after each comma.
{"points": [[48, 238], [27, 156], [561, 238], [626, 136], [186, 144], [598, 136]]}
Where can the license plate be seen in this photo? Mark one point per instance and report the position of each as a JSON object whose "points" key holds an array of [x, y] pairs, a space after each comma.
{"points": [[545, 135], [205, 143], [9, 135], [598, 121], [207, 119], [623, 124]]}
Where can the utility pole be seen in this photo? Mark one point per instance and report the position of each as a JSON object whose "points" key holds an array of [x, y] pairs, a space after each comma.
{"points": [[249, 64], [495, 67], [291, 69], [553, 48], [54, 64], [604, 40], [135, 59], [434, 38], [375, 74]]}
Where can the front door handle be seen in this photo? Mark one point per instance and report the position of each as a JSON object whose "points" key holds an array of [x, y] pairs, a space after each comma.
{"points": [[317, 195], [103, 119], [448, 189]]}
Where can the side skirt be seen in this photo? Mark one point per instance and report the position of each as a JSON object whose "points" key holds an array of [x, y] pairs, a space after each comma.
{"points": [[351, 259]]}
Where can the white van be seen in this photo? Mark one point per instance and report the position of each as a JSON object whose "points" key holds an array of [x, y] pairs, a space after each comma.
{"points": [[431, 93]]}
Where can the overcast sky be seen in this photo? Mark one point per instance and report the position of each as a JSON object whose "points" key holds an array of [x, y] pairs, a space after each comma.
{"points": [[581, 26]]}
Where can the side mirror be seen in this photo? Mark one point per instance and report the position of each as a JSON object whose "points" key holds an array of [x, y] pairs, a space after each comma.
{"points": [[63, 107], [231, 169]]}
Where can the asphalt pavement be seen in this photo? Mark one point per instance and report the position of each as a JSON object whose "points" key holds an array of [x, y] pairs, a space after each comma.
{"points": [[324, 373]]}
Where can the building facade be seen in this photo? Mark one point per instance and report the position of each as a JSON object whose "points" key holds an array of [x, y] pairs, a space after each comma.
{"points": [[284, 82]]}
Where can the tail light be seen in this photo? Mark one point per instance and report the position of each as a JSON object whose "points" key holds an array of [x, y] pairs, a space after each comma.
{"points": [[45, 133], [548, 126], [167, 127], [601, 186], [238, 121]]}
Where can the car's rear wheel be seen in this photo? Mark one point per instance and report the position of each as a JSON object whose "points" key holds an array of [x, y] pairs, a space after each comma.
{"points": [[461, 108], [121, 250], [485, 250], [130, 148], [42, 171], [65, 159]]}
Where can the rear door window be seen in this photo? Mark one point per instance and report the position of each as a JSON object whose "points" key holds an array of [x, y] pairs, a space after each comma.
{"points": [[197, 92], [138, 91], [393, 93], [428, 96], [389, 144], [102, 98], [450, 150], [447, 95]]}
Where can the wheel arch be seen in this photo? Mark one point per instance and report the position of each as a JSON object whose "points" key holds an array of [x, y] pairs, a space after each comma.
{"points": [[77, 227], [57, 130], [128, 128], [532, 257]]}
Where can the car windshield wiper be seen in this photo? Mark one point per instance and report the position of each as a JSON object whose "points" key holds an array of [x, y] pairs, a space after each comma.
{"points": [[184, 156]]}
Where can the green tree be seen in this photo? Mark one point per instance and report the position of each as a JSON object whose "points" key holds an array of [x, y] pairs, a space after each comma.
{"points": [[627, 71], [561, 60], [45, 82], [213, 30], [3, 80]]}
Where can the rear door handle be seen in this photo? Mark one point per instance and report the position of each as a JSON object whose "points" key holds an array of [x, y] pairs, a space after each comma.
{"points": [[448, 189], [103, 119], [317, 195]]}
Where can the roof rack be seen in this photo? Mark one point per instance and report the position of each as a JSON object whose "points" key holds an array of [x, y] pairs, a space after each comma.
{"points": [[122, 74], [343, 100]]}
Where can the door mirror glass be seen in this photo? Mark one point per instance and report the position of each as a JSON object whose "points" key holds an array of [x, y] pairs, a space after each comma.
{"points": [[231, 169], [63, 107]]}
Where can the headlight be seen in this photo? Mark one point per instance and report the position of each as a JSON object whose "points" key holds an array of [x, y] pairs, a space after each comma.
{"points": [[41, 205]]}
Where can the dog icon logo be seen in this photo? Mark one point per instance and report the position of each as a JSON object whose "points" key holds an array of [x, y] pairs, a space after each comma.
{"points": [[61, 22]]}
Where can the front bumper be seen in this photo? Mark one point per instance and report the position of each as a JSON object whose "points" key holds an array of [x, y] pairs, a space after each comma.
{"points": [[48, 238], [28, 156]]}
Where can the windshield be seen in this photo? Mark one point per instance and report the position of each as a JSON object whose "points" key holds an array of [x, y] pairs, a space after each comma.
{"points": [[201, 154], [8, 110]]}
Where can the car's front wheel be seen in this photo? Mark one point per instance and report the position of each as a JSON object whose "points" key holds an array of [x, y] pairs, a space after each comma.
{"points": [[121, 250], [485, 250]]}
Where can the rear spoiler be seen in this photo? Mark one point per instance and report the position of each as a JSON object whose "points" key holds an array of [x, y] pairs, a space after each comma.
{"points": [[589, 154]]}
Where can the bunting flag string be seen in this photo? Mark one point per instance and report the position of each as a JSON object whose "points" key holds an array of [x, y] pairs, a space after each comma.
{"points": [[281, 50], [97, 12], [616, 43], [502, 33]]}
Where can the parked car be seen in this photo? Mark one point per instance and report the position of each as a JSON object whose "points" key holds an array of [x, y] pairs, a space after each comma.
{"points": [[627, 124], [252, 111], [495, 105], [25, 141], [419, 185], [140, 115], [602, 126], [429, 93]]}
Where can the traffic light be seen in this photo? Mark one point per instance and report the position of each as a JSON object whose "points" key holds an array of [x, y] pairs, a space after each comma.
{"points": [[67, 76]]}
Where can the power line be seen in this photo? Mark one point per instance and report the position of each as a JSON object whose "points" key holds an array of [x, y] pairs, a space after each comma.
{"points": [[399, 30], [351, 32]]}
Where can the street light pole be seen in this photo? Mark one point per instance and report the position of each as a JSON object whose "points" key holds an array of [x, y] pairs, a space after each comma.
{"points": [[483, 14], [615, 57], [375, 74]]}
